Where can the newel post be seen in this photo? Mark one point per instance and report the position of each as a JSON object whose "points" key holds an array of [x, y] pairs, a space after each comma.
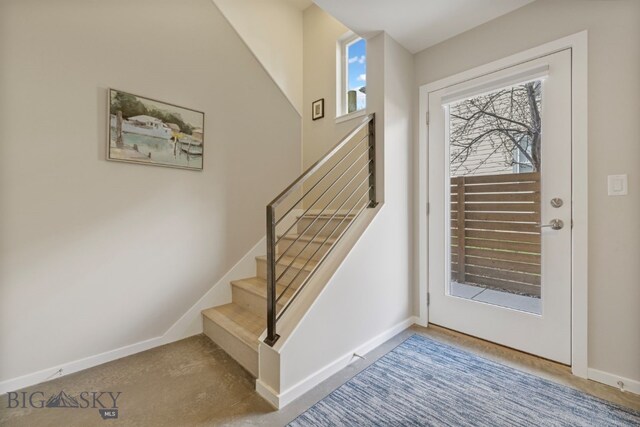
{"points": [[272, 337], [373, 202]]}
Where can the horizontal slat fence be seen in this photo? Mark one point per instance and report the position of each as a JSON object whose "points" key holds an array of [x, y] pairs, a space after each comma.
{"points": [[495, 242]]}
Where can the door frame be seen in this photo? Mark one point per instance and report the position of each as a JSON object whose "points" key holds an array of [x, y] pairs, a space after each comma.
{"points": [[579, 174]]}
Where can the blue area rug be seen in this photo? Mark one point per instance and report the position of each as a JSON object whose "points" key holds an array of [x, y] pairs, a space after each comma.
{"points": [[425, 383]]}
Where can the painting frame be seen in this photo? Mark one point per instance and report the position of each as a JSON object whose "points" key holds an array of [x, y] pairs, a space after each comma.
{"points": [[135, 158], [317, 109]]}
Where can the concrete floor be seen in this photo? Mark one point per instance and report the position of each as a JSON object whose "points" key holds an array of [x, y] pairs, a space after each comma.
{"points": [[194, 383]]}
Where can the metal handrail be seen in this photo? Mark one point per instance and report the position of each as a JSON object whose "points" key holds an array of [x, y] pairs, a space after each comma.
{"points": [[322, 228], [317, 165], [321, 212], [323, 193], [316, 235], [306, 279], [273, 220], [356, 145]]}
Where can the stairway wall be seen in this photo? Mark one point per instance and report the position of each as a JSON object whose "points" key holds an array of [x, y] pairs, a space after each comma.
{"points": [[97, 258], [321, 34], [272, 29]]}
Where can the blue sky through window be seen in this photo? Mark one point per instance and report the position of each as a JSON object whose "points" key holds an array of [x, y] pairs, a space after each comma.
{"points": [[357, 69]]}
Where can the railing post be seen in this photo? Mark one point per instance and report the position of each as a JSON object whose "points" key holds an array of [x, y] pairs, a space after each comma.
{"points": [[372, 163], [461, 231], [272, 337]]}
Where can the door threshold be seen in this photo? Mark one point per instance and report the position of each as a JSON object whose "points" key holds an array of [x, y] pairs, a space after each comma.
{"points": [[497, 348]]}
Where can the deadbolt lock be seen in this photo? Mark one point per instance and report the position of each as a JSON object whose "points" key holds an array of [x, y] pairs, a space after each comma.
{"points": [[556, 202]]}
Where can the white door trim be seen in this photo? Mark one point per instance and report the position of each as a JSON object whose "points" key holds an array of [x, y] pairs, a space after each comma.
{"points": [[579, 176]]}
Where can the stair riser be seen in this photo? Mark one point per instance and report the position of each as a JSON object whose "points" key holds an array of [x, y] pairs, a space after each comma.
{"points": [[299, 245], [249, 301], [235, 348], [257, 304], [330, 229], [289, 275]]}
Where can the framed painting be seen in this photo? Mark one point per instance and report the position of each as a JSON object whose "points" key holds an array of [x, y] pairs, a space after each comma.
{"points": [[317, 109], [146, 131]]}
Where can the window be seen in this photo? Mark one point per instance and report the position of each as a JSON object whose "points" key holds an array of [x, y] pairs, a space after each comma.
{"points": [[498, 132], [353, 73], [494, 137], [522, 162]]}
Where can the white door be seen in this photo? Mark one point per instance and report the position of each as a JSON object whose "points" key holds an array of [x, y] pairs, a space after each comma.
{"points": [[499, 157]]}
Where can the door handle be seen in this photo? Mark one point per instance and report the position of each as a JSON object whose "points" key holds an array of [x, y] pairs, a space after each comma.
{"points": [[554, 224]]}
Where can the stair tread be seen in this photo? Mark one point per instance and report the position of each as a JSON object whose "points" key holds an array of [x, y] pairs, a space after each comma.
{"points": [[298, 262], [313, 213], [254, 281], [258, 286], [239, 322], [304, 238], [255, 285]]}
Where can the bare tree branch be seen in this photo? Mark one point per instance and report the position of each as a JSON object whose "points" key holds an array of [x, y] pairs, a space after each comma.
{"points": [[505, 122]]}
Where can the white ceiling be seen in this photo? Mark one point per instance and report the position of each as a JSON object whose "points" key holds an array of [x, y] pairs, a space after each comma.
{"points": [[417, 24]]}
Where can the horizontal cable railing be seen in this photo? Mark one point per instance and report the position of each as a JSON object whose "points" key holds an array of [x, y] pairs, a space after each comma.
{"points": [[328, 197]]}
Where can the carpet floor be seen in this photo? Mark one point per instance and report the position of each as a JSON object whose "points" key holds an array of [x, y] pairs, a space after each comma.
{"points": [[426, 383]]}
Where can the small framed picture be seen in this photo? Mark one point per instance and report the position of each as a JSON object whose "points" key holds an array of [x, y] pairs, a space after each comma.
{"points": [[317, 109]]}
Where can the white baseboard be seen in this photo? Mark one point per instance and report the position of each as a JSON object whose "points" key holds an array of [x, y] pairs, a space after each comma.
{"points": [[279, 401], [188, 325], [77, 365], [267, 393], [630, 385]]}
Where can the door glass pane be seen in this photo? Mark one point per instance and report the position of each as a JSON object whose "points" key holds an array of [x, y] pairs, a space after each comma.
{"points": [[494, 170]]}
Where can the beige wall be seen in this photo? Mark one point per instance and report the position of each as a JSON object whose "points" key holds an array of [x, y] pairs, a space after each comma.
{"points": [[272, 29], [321, 34], [614, 148], [96, 255]]}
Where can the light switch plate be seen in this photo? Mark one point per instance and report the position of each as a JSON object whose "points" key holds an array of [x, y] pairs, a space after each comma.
{"points": [[617, 185]]}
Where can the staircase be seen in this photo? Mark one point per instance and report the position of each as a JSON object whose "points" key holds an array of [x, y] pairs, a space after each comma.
{"points": [[304, 223], [237, 326]]}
